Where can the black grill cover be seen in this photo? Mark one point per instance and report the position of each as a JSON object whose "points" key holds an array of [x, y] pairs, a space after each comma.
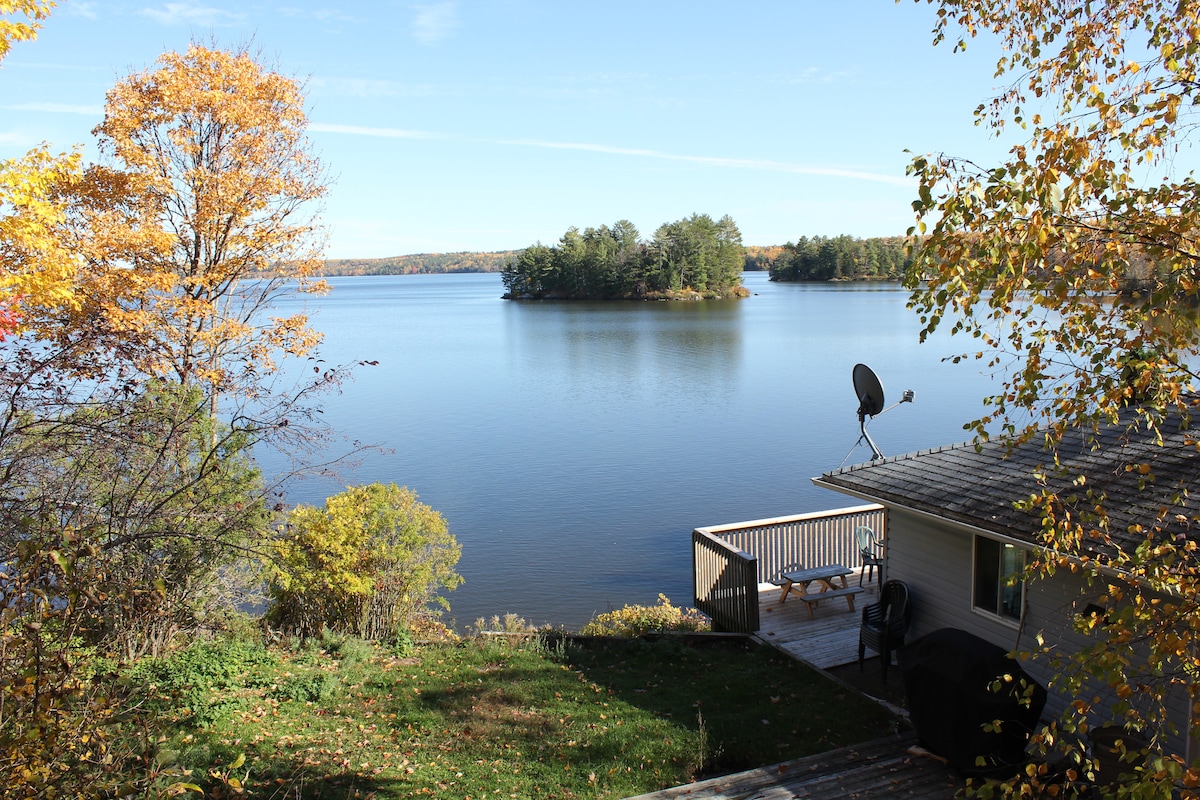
{"points": [[948, 677]]}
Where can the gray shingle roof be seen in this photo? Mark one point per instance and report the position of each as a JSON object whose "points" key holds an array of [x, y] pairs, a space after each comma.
{"points": [[979, 487]]}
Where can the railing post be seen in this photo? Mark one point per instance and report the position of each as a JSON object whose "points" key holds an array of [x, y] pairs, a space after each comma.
{"points": [[725, 583]]}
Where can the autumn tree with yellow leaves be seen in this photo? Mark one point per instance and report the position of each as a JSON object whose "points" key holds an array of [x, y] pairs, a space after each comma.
{"points": [[201, 216], [1088, 219], [19, 21], [139, 291], [366, 564], [177, 246], [1075, 267], [34, 269]]}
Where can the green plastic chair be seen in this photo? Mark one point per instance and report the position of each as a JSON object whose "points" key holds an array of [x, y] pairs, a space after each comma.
{"points": [[871, 550]]}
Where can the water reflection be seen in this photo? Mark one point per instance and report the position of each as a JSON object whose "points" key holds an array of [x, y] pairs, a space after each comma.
{"points": [[629, 353]]}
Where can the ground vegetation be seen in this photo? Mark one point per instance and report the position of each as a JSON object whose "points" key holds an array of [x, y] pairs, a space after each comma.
{"points": [[638, 620], [334, 716]]}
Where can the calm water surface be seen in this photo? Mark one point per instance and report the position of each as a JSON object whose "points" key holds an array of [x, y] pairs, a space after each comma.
{"points": [[572, 447]]}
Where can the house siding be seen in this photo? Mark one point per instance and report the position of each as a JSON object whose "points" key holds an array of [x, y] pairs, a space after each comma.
{"points": [[936, 561]]}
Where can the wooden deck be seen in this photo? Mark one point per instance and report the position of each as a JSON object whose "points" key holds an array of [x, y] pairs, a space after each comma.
{"points": [[884, 768], [829, 639]]}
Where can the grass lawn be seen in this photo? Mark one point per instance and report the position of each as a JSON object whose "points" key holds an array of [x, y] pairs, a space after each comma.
{"points": [[500, 719]]}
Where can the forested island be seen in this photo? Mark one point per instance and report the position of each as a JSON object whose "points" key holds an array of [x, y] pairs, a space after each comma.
{"points": [[824, 258], [692, 258]]}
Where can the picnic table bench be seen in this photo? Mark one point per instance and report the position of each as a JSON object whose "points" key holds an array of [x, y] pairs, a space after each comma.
{"points": [[799, 581]]}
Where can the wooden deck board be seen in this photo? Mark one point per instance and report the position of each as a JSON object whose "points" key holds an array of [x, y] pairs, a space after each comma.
{"points": [[883, 768], [830, 639]]}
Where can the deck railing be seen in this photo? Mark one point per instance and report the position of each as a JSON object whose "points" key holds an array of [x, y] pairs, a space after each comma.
{"points": [[726, 583], [730, 561]]}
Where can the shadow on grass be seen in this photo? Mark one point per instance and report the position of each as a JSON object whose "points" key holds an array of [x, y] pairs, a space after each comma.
{"points": [[309, 783], [753, 705]]}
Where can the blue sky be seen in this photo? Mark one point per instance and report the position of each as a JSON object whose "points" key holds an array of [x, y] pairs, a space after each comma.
{"points": [[492, 124]]}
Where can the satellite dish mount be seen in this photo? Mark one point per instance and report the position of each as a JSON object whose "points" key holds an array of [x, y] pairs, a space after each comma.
{"points": [[870, 403]]}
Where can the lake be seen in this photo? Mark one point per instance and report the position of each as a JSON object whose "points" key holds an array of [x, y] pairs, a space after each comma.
{"points": [[573, 447]]}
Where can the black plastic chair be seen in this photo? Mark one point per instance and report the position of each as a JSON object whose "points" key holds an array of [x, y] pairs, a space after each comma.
{"points": [[884, 624], [871, 551]]}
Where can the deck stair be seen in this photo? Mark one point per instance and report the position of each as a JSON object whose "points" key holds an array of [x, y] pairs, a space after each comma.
{"points": [[890, 767]]}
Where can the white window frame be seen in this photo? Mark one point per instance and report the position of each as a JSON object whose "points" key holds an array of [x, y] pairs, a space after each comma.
{"points": [[995, 609]]}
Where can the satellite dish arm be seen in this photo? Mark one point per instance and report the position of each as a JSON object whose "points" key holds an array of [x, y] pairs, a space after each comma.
{"points": [[907, 398], [862, 426]]}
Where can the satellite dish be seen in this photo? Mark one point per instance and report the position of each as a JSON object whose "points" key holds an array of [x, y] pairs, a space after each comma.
{"points": [[869, 391], [870, 402]]}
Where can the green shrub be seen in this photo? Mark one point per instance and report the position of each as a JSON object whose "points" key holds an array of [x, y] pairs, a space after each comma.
{"points": [[309, 688], [400, 644], [637, 620], [365, 565], [185, 681]]}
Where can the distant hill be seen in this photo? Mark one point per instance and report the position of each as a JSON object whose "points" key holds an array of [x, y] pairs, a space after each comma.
{"points": [[757, 258], [421, 263]]}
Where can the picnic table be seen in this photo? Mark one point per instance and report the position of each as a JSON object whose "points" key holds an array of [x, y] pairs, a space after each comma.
{"points": [[827, 577]]}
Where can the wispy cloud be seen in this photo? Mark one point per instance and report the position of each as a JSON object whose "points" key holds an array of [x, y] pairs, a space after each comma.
{"points": [[330, 14], [83, 9], [435, 21], [659, 155], [363, 130], [58, 108], [819, 75], [369, 87], [716, 161], [192, 14]]}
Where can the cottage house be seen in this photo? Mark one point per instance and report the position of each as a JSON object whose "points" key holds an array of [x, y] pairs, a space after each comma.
{"points": [[958, 539]]}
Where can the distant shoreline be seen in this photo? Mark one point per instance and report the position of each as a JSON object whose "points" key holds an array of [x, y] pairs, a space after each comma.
{"points": [[463, 262], [419, 264], [818, 260]]}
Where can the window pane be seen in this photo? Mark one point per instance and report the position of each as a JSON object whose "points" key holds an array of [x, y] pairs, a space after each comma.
{"points": [[1011, 562], [987, 573]]}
